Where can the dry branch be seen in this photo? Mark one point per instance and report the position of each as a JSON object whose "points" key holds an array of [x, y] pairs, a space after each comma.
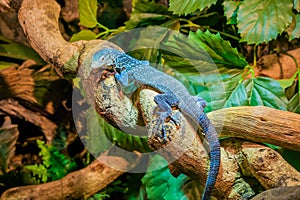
{"points": [[12, 108], [80, 184], [259, 124], [283, 193]]}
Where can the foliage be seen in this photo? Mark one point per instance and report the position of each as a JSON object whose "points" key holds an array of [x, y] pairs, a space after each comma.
{"points": [[55, 165], [88, 13], [160, 184], [187, 7], [266, 22], [14, 52]]}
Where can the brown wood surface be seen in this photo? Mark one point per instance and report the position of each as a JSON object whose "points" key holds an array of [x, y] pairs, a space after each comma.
{"points": [[80, 184], [259, 124]]}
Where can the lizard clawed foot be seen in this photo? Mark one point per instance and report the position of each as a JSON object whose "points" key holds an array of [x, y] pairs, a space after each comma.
{"points": [[163, 116], [175, 121]]}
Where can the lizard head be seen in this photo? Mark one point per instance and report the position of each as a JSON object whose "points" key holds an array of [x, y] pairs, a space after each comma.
{"points": [[105, 58]]}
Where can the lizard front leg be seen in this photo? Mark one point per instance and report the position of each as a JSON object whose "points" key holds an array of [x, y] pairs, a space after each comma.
{"points": [[165, 102]]}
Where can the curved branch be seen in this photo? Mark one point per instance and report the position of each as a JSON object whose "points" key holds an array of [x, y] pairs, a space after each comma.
{"points": [[259, 124], [80, 184], [39, 21]]}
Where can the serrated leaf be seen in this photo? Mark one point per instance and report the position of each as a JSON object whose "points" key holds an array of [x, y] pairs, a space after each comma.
{"points": [[83, 35], [230, 10], [219, 49], [261, 21], [38, 170], [8, 137], [297, 5], [189, 6], [88, 13], [263, 91], [296, 31], [161, 184], [294, 103]]}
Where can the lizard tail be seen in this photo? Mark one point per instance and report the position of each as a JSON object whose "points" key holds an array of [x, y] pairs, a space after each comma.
{"points": [[214, 146]]}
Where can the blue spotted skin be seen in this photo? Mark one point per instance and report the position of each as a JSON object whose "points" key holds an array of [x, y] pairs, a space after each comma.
{"points": [[131, 73]]}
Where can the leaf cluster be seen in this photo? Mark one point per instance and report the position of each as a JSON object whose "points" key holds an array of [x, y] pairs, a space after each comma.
{"points": [[54, 166]]}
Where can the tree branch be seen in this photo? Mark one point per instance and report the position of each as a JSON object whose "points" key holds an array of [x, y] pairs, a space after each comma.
{"points": [[80, 184]]}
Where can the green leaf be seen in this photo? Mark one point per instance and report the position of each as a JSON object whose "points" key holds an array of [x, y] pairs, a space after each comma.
{"points": [[296, 31], [4, 65], [101, 135], [294, 103], [21, 52], [38, 170], [56, 163], [265, 91], [261, 21], [224, 94], [220, 50], [145, 19], [88, 13], [230, 10], [161, 184], [236, 96], [189, 6], [297, 5], [285, 83], [145, 6], [95, 140], [83, 35], [147, 13], [124, 140]]}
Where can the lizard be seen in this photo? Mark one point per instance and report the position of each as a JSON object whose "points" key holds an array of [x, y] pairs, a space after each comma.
{"points": [[131, 73]]}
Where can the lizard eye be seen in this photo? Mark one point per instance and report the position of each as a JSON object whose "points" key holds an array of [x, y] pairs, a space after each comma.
{"points": [[118, 70]]}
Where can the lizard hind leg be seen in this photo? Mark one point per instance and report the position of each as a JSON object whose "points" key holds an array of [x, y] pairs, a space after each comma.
{"points": [[165, 102]]}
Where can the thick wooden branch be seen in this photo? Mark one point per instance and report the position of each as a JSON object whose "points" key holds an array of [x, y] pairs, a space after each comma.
{"points": [[76, 185], [288, 193], [39, 21], [259, 124]]}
